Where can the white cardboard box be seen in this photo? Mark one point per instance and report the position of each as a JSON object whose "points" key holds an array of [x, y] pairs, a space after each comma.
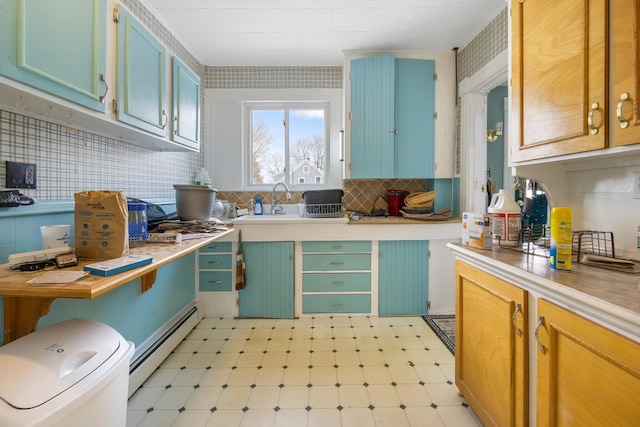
{"points": [[476, 230]]}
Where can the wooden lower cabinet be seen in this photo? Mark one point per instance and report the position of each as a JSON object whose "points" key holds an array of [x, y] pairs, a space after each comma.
{"points": [[587, 375], [491, 346]]}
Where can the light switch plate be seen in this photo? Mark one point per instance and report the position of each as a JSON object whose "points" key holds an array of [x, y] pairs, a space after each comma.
{"points": [[21, 175]]}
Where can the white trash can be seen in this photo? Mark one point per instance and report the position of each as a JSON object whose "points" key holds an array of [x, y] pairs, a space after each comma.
{"points": [[72, 374]]}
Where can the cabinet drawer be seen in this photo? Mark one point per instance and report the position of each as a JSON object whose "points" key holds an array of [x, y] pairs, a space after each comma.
{"points": [[330, 262], [336, 303], [216, 247], [337, 246], [336, 282], [215, 281], [215, 262]]}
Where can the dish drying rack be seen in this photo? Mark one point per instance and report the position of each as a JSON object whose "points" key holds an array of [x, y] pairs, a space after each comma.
{"points": [[323, 210]]}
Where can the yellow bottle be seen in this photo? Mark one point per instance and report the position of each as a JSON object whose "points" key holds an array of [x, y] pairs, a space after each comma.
{"points": [[561, 239]]}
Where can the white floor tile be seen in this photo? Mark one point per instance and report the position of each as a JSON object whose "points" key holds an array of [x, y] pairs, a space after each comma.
{"points": [[322, 371]]}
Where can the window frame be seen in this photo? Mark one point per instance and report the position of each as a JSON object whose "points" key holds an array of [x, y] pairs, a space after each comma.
{"points": [[286, 106]]}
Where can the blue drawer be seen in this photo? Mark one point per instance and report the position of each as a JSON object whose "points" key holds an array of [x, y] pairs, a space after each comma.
{"points": [[216, 247], [337, 246], [336, 303], [335, 262], [215, 281], [336, 282], [214, 262]]}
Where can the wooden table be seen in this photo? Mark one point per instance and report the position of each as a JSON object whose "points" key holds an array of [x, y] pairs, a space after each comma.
{"points": [[25, 304]]}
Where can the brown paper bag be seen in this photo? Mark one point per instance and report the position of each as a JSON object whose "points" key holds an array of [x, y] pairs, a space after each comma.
{"points": [[100, 224]]}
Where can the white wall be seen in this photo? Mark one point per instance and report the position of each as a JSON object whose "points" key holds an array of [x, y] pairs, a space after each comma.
{"points": [[224, 132]]}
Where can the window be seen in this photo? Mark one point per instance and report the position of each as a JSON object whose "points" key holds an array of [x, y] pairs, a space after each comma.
{"points": [[287, 142]]}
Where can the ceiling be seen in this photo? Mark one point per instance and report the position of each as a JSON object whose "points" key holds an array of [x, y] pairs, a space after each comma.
{"points": [[318, 32]]}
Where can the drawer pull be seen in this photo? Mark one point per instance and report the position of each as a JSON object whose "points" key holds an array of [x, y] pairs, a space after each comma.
{"points": [[594, 129], [336, 305], [513, 320], [336, 283], [540, 323], [217, 282], [336, 263], [214, 262], [215, 247], [336, 247], [624, 123]]}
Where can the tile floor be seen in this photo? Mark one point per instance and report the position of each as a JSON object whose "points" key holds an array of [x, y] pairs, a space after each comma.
{"points": [[323, 371]]}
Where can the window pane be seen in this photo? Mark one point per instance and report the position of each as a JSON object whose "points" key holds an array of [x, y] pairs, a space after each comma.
{"points": [[267, 146], [306, 145]]}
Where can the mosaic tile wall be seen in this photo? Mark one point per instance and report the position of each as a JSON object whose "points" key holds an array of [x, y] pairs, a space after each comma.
{"points": [[272, 77], [69, 161]]}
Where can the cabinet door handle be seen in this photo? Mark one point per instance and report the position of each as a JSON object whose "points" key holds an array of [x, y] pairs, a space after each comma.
{"points": [[336, 263], [540, 323], [392, 130], [624, 123], [106, 89], [513, 319], [592, 127], [336, 283], [165, 119], [176, 124]]}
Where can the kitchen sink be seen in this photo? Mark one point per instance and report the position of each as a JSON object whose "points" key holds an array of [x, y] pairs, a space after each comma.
{"points": [[291, 214]]}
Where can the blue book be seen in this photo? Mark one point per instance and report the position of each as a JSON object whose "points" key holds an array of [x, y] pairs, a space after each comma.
{"points": [[118, 265]]}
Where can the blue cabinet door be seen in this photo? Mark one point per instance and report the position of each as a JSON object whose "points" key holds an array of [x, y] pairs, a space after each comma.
{"points": [[372, 117], [58, 47], [141, 79], [414, 118], [269, 278], [186, 105], [403, 280]]}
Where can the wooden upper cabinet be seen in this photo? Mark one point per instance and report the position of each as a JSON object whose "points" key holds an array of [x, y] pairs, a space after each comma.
{"points": [[587, 375], [559, 80], [625, 71]]}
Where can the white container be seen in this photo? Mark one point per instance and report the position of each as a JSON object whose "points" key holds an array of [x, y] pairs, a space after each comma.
{"points": [[72, 374], [55, 236], [506, 219]]}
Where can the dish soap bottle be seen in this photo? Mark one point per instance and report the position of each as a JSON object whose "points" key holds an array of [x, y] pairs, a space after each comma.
{"points": [[203, 178], [258, 207]]}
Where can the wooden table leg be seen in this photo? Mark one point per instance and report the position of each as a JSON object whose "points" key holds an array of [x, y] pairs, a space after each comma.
{"points": [[21, 315]]}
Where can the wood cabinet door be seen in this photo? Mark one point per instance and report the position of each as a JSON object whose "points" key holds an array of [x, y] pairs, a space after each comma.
{"points": [[403, 277], [559, 80], [141, 76], [269, 291], [58, 47], [587, 375], [415, 107], [186, 105], [491, 346], [625, 71], [372, 117]]}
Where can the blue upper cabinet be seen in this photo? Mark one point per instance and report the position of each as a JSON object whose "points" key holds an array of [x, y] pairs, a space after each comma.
{"points": [[372, 117], [186, 105], [392, 117], [141, 76], [58, 47]]}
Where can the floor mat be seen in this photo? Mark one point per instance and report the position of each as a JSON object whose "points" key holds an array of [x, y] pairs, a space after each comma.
{"points": [[444, 326]]}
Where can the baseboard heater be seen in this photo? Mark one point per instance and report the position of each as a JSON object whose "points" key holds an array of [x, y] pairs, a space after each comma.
{"points": [[160, 345]]}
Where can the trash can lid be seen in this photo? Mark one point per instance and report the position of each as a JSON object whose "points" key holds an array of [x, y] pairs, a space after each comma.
{"points": [[39, 366]]}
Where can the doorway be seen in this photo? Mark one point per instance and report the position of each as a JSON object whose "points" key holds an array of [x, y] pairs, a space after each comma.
{"points": [[473, 133]]}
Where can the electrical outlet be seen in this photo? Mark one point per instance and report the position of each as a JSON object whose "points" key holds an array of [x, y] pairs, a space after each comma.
{"points": [[21, 175], [636, 185]]}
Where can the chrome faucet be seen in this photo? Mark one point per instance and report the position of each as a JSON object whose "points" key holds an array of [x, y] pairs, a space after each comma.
{"points": [[276, 208]]}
